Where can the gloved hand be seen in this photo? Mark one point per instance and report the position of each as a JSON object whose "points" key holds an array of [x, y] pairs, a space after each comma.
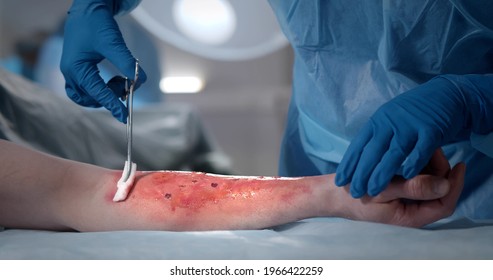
{"points": [[91, 35], [408, 128]]}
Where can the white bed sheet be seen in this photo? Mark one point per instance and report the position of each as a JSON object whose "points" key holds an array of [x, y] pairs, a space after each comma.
{"points": [[319, 238]]}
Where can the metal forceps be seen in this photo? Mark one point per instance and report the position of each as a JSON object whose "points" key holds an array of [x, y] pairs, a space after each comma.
{"points": [[129, 98]]}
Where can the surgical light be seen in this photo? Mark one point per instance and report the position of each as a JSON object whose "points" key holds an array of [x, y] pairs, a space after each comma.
{"points": [[181, 84], [211, 22], [228, 30]]}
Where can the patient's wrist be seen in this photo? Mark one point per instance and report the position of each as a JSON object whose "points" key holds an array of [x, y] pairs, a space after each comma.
{"points": [[334, 198]]}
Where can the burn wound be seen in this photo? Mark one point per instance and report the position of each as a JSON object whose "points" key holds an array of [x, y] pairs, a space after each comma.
{"points": [[192, 191]]}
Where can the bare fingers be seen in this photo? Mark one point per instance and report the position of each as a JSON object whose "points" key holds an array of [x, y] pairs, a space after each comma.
{"points": [[438, 164], [421, 187], [431, 184], [425, 212]]}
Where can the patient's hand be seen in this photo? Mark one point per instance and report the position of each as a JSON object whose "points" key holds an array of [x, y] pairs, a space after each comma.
{"points": [[424, 199]]}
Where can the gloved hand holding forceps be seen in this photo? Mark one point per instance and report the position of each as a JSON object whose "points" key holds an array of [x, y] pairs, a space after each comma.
{"points": [[91, 35]]}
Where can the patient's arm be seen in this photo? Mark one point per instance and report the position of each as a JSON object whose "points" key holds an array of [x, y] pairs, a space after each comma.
{"points": [[43, 192]]}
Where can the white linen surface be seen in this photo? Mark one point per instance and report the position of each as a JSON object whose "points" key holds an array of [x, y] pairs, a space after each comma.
{"points": [[318, 238]]}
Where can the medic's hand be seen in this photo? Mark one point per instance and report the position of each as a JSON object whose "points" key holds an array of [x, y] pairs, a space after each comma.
{"points": [[419, 201], [411, 126], [91, 35]]}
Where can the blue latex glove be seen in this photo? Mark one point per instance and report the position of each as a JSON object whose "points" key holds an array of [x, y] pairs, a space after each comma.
{"points": [[91, 35], [408, 128]]}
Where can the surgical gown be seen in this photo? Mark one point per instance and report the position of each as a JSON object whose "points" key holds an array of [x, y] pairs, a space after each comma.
{"points": [[353, 56]]}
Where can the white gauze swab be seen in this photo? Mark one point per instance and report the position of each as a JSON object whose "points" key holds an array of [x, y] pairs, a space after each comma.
{"points": [[124, 187]]}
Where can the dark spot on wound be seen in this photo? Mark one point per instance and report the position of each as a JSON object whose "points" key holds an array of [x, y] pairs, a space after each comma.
{"points": [[181, 186], [167, 196], [213, 185], [194, 181]]}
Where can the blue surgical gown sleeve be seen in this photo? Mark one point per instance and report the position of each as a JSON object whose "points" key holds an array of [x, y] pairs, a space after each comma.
{"points": [[350, 59]]}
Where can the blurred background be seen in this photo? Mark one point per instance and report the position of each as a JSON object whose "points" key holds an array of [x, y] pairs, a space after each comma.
{"points": [[228, 59]]}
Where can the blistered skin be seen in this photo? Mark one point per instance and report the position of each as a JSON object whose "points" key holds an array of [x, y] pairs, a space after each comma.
{"points": [[189, 199]]}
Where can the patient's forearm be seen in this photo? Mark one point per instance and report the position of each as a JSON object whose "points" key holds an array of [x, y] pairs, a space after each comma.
{"points": [[197, 201], [31, 184], [44, 192], [38, 191]]}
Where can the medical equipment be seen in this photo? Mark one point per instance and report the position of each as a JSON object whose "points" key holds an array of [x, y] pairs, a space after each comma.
{"points": [[229, 35], [126, 181]]}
